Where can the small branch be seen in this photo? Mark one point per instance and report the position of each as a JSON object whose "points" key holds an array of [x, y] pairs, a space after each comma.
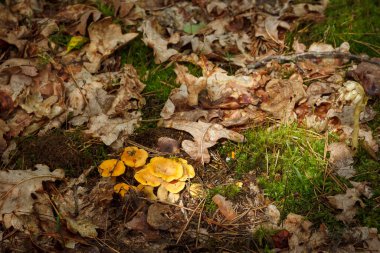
{"points": [[310, 55]]}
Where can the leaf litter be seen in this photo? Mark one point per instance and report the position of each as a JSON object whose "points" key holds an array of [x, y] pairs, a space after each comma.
{"points": [[47, 84]]}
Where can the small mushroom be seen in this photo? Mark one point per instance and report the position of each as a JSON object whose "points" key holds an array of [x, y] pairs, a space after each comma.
{"points": [[174, 187], [111, 168], [165, 168], [134, 157], [121, 189], [147, 190], [188, 170], [146, 177]]}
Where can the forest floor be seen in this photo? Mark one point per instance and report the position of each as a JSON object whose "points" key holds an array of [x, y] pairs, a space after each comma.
{"points": [[190, 126]]}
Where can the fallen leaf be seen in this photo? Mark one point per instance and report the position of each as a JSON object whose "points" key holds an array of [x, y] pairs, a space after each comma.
{"points": [[164, 217], [105, 38], [205, 136], [281, 238], [139, 223], [154, 40], [346, 202], [225, 207], [273, 214], [21, 192], [283, 96], [341, 159]]}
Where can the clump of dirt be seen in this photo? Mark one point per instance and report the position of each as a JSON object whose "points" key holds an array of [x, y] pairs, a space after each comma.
{"points": [[71, 151]]}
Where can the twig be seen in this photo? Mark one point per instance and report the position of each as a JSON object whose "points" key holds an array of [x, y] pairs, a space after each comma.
{"points": [[188, 222], [310, 55], [199, 224]]}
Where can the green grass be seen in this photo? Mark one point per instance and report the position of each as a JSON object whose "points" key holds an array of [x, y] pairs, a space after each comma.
{"points": [[355, 21], [289, 166]]}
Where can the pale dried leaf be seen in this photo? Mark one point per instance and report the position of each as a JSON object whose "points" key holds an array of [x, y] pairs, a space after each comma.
{"points": [[225, 207], [346, 202], [153, 39], [283, 96], [105, 38], [205, 136], [21, 191], [341, 159]]}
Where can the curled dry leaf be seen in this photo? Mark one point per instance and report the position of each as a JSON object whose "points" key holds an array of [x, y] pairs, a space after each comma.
{"points": [[368, 75], [225, 207], [303, 239], [85, 211], [282, 96], [346, 202], [21, 191], [105, 38], [154, 39], [273, 214], [341, 159], [205, 136]]}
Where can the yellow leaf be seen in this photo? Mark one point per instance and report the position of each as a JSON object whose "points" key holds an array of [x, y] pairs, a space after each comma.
{"points": [[76, 42]]}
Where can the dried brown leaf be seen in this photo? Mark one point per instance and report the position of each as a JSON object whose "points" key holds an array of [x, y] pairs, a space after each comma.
{"points": [[105, 38], [205, 136]]}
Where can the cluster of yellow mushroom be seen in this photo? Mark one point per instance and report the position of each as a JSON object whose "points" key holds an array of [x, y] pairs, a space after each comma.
{"points": [[168, 174]]}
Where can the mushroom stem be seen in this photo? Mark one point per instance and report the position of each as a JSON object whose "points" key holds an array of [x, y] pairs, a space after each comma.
{"points": [[360, 105]]}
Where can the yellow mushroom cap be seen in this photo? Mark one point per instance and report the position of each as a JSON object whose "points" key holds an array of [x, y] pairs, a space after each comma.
{"points": [[165, 168], [134, 157], [147, 191], [174, 187], [188, 170], [146, 177], [121, 188], [111, 168]]}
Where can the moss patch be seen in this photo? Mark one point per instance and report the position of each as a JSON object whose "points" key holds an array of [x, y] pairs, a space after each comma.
{"points": [[354, 21], [289, 165]]}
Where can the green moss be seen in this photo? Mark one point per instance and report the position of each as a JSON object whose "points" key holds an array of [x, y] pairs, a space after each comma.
{"points": [[230, 191], [60, 38], [289, 166], [106, 9], [263, 238], [354, 21]]}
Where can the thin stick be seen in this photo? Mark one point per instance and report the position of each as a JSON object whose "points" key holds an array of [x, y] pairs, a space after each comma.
{"points": [[188, 222], [310, 55], [199, 224]]}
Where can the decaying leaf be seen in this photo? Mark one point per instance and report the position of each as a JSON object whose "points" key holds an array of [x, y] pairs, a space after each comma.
{"points": [[165, 217], [273, 214], [303, 239], [341, 159], [139, 223], [85, 211], [346, 202], [105, 38], [282, 96], [153, 39], [205, 136], [225, 207], [23, 204]]}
